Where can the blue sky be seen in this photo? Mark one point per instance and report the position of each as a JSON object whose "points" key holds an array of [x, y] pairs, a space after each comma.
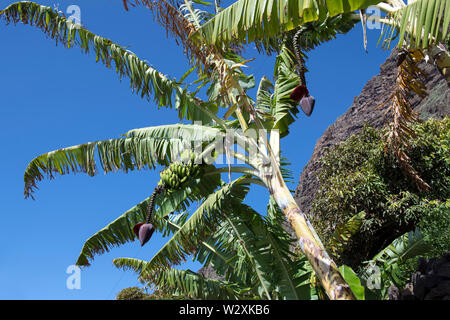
{"points": [[52, 97]]}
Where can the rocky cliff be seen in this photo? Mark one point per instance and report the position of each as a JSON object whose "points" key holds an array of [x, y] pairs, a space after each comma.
{"points": [[365, 109]]}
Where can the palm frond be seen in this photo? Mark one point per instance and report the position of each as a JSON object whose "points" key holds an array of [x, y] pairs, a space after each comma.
{"points": [[273, 102], [120, 231], [419, 24], [181, 21], [248, 21], [199, 225], [138, 149], [407, 246], [135, 265], [286, 172], [263, 100], [292, 276], [261, 279], [353, 281], [144, 79], [284, 110], [185, 283], [257, 254], [251, 251], [225, 260], [187, 132], [116, 233], [408, 82], [343, 233], [315, 33], [194, 16], [263, 247], [176, 24]]}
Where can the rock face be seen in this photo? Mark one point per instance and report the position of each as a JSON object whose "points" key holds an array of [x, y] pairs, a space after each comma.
{"points": [[365, 109], [430, 282]]}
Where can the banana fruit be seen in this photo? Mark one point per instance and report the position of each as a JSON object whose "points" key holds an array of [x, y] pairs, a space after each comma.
{"points": [[178, 174]]}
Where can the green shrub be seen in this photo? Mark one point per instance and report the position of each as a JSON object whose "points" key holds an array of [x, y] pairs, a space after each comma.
{"points": [[358, 175], [132, 293]]}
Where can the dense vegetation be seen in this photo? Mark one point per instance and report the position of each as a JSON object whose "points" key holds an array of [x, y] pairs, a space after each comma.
{"points": [[137, 293], [359, 176]]}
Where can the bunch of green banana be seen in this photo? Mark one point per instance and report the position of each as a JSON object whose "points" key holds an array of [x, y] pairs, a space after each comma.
{"points": [[177, 174]]}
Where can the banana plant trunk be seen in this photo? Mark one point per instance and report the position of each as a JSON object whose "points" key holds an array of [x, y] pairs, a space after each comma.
{"points": [[310, 244]]}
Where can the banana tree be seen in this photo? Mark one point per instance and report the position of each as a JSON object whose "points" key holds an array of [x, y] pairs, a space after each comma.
{"points": [[212, 50]]}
